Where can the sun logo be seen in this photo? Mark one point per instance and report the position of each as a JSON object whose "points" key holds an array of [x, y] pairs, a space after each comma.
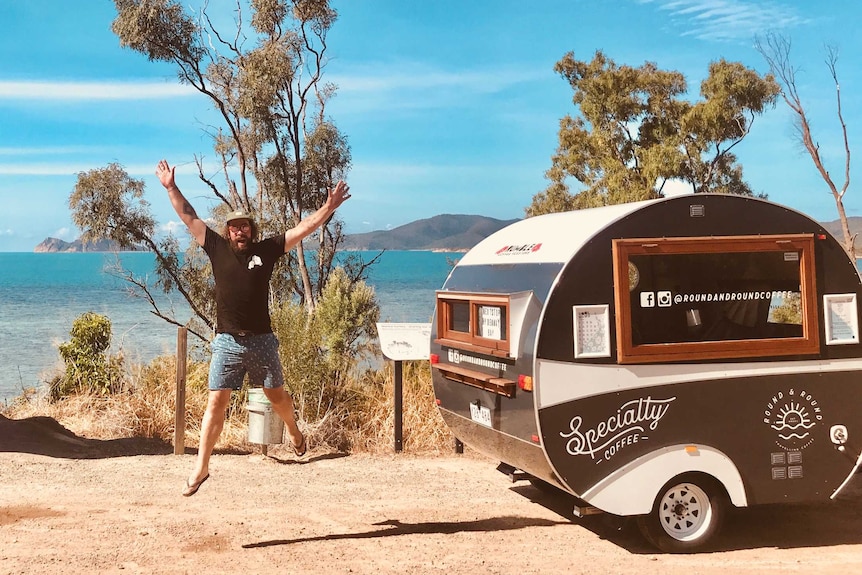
{"points": [[792, 415], [792, 422]]}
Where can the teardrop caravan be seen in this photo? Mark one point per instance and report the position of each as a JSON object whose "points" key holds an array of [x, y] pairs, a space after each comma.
{"points": [[660, 359]]}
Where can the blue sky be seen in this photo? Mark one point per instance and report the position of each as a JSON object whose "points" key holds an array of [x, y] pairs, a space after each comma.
{"points": [[450, 106]]}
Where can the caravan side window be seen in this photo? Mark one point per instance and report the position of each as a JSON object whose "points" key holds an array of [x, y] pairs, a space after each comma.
{"points": [[478, 321], [682, 299]]}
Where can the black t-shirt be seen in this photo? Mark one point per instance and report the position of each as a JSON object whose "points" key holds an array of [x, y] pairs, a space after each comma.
{"points": [[242, 282]]}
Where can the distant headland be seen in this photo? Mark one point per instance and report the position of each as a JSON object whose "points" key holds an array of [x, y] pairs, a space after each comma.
{"points": [[443, 233], [54, 245]]}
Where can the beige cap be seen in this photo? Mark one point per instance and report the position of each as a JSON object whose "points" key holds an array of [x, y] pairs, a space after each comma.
{"points": [[238, 215]]}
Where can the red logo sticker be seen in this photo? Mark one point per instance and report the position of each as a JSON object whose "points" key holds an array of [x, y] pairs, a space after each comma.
{"points": [[518, 249]]}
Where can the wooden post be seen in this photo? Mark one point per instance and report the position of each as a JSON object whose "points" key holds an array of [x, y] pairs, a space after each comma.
{"points": [[180, 415], [399, 395]]}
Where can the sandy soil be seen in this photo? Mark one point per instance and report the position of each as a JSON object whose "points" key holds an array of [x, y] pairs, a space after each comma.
{"points": [[74, 506]]}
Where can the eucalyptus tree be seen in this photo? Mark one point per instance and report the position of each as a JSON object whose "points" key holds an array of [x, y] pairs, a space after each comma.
{"points": [[277, 153], [635, 131]]}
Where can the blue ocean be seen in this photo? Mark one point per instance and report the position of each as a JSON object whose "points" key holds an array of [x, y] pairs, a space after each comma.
{"points": [[41, 294]]}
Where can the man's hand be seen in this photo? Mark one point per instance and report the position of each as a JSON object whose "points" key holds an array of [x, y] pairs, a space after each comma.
{"points": [[197, 227], [338, 195], [165, 174]]}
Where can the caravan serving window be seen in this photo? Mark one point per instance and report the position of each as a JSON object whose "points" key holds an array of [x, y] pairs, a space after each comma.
{"points": [[682, 299], [479, 321]]}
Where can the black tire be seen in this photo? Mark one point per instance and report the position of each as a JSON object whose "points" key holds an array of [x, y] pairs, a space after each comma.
{"points": [[687, 513]]}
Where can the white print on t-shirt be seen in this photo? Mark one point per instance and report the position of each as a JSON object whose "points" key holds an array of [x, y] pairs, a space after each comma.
{"points": [[254, 261]]}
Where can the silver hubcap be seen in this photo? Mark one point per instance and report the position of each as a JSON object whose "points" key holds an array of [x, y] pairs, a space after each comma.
{"points": [[685, 512]]}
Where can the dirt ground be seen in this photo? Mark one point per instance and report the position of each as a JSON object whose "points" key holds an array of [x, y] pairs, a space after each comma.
{"points": [[70, 505]]}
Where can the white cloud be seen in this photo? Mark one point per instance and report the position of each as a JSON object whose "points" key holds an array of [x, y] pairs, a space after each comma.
{"points": [[48, 150], [382, 78], [72, 91], [66, 234], [14, 166], [415, 86], [726, 20], [73, 168], [7, 232], [42, 169], [179, 229], [414, 171], [174, 228], [676, 188]]}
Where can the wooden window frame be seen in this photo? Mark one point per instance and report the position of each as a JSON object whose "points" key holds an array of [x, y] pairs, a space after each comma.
{"points": [[807, 344], [471, 340]]}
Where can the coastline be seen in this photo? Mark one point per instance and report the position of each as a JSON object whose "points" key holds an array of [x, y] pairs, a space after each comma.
{"points": [[41, 295]]}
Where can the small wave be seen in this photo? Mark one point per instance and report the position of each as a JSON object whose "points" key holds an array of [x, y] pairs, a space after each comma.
{"points": [[793, 436], [797, 426]]}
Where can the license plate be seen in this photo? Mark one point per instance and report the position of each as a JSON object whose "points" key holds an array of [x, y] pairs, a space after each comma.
{"points": [[480, 414]]}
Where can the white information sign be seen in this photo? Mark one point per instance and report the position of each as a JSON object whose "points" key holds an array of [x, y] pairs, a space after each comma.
{"points": [[842, 325], [405, 341]]}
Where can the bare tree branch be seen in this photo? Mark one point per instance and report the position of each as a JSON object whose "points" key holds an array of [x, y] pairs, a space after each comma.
{"points": [[776, 52], [143, 292], [209, 183]]}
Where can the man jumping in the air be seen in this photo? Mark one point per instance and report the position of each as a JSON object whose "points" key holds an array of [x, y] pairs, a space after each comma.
{"points": [[244, 342]]}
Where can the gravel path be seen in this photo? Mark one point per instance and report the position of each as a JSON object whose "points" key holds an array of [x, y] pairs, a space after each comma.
{"points": [[99, 507]]}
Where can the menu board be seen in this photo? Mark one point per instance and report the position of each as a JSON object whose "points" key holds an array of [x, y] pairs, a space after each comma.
{"points": [[490, 322], [842, 323], [592, 331]]}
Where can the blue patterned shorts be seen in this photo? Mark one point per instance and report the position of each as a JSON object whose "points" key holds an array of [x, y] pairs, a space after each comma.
{"points": [[233, 356]]}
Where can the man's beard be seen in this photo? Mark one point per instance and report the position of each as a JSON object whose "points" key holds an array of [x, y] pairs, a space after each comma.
{"points": [[235, 246]]}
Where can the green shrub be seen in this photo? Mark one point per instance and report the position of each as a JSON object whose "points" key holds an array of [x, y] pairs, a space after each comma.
{"points": [[319, 349], [88, 365]]}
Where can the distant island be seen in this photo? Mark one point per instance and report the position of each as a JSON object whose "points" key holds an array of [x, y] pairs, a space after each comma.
{"points": [[445, 232], [54, 245]]}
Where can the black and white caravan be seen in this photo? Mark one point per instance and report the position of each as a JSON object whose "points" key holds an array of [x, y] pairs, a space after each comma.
{"points": [[660, 359]]}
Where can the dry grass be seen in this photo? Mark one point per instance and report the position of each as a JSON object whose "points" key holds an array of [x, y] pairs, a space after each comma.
{"points": [[423, 429], [360, 418]]}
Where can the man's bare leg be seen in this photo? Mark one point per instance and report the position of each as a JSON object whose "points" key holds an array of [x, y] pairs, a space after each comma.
{"points": [[282, 403], [211, 428]]}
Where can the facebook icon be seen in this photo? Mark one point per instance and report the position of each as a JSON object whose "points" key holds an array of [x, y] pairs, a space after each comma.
{"points": [[647, 299]]}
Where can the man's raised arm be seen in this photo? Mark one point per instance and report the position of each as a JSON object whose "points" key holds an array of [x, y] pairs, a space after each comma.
{"points": [[181, 205], [337, 196]]}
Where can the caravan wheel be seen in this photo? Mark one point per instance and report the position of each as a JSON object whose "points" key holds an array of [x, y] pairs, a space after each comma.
{"points": [[687, 513]]}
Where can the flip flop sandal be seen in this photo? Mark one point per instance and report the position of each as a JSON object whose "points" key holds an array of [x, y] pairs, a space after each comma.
{"points": [[300, 449], [192, 488]]}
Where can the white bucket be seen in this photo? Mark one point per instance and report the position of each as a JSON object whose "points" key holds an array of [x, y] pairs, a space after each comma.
{"points": [[264, 424]]}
